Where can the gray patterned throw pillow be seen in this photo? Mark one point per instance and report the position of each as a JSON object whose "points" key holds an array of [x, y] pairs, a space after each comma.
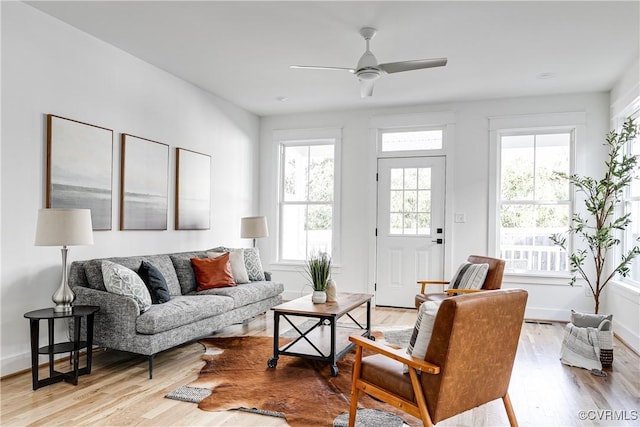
{"points": [[253, 264], [123, 281]]}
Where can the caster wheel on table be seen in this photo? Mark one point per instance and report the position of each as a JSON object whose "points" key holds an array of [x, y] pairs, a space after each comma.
{"points": [[334, 371], [272, 363]]}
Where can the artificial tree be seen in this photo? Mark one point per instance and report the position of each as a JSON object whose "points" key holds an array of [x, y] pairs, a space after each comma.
{"points": [[602, 197]]}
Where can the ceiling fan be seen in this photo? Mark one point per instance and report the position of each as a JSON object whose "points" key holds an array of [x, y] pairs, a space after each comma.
{"points": [[368, 70]]}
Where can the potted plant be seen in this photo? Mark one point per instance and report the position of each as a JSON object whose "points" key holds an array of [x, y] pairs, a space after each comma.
{"points": [[600, 229], [318, 268]]}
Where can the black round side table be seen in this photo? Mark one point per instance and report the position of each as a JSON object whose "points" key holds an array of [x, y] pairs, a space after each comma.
{"points": [[74, 347]]}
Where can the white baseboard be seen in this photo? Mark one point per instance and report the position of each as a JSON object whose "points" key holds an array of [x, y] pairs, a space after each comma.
{"points": [[12, 364], [551, 314], [627, 336]]}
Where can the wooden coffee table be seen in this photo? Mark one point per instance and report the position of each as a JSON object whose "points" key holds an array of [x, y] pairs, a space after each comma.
{"points": [[326, 340]]}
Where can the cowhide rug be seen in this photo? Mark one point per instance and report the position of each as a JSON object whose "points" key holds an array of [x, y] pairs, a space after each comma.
{"points": [[303, 390]]}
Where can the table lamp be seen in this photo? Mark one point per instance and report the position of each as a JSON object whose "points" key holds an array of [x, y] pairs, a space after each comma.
{"points": [[64, 227], [253, 227]]}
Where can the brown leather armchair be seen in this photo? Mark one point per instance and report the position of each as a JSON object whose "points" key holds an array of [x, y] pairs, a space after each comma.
{"points": [[493, 281], [468, 361]]}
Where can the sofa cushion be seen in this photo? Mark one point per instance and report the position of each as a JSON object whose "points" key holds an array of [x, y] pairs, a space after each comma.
{"points": [[93, 270], [180, 311], [213, 272], [252, 262], [238, 269], [247, 293], [165, 266], [155, 282], [121, 280], [184, 271]]}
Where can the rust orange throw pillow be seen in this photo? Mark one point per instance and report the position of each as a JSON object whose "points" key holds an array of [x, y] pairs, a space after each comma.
{"points": [[213, 272]]}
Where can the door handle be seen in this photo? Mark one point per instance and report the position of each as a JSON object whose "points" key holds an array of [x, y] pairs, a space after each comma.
{"points": [[438, 241]]}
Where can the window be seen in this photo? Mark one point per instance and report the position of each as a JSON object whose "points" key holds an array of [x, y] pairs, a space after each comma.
{"points": [[410, 201], [307, 204], [533, 205], [411, 140], [632, 205]]}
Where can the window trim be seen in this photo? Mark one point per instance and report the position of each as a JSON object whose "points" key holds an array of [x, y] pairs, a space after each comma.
{"points": [[513, 125], [309, 137], [632, 111]]}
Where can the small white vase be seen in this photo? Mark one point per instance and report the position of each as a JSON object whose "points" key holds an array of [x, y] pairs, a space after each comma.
{"points": [[319, 297], [332, 291]]}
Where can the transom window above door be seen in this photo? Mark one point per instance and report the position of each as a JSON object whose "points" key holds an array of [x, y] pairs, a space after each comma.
{"points": [[411, 140]]}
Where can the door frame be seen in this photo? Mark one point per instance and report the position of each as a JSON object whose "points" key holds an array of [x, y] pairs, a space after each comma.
{"points": [[378, 123]]}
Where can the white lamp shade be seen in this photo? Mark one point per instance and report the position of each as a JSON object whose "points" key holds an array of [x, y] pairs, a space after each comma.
{"points": [[253, 227], [64, 227]]}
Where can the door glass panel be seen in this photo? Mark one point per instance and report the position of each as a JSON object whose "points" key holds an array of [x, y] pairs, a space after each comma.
{"points": [[396, 200], [397, 176], [410, 223], [424, 223], [410, 201], [395, 223], [424, 178], [410, 178], [424, 201]]}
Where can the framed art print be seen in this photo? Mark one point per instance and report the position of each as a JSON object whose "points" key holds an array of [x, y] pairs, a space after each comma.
{"points": [[144, 184], [193, 190], [79, 158]]}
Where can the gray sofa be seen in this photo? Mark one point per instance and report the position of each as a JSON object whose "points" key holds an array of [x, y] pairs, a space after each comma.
{"points": [[187, 316]]}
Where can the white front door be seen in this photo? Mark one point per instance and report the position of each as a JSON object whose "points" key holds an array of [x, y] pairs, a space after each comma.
{"points": [[410, 233]]}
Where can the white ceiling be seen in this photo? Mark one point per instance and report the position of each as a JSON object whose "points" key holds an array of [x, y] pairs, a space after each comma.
{"points": [[242, 50]]}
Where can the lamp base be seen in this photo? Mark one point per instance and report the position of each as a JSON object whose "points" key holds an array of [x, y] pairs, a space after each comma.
{"points": [[65, 308], [63, 296]]}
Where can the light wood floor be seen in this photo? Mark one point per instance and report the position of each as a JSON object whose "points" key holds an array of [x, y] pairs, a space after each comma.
{"points": [[118, 393]]}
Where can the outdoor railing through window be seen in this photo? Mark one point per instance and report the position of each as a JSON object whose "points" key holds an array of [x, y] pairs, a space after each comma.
{"points": [[532, 253]]}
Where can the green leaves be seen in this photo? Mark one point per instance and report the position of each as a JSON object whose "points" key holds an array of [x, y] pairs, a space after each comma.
{"points": [[318, 268], [600, 231]]}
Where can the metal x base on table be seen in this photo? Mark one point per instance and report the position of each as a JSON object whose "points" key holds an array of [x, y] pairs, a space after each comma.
{"points": [[325, 340]]}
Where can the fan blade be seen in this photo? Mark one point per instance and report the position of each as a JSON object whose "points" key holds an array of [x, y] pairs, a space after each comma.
{"points": [[396, 67], [366, 88], [313, 67]]}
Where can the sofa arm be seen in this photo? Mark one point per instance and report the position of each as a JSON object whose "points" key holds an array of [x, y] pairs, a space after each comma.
{"points": [[116, 320], [267, 276]]}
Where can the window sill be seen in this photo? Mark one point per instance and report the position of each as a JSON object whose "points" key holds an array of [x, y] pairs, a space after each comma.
{"points": [[538, 279], [298, 266]]}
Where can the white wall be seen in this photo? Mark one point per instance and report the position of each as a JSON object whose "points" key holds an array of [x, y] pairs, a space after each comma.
{"points": [[621, 299], [467, 189], [50, 67]]}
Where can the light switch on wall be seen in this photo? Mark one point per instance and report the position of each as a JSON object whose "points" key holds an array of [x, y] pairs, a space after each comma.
{"points": [[460, 217]]}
